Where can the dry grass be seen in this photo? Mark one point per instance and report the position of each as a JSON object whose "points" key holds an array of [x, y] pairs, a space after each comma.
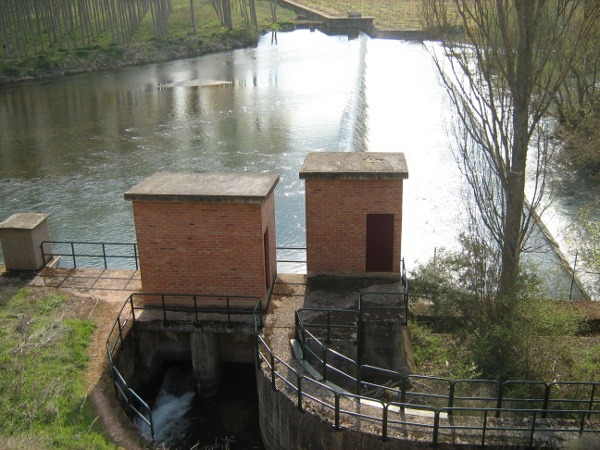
{"points": [[388, 14]]}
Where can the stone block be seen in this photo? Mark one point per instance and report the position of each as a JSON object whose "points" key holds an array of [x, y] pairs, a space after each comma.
{"points": [[21, 236]]}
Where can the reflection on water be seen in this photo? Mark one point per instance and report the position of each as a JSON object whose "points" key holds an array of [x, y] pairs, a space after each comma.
{"points": [[72, 146]]}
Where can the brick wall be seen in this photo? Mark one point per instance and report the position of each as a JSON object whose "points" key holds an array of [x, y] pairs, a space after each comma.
{"points": [[336, 221], [204, 248]]}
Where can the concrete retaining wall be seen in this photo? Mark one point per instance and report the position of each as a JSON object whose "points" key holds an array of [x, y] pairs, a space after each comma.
{"points": [[283, 426]]}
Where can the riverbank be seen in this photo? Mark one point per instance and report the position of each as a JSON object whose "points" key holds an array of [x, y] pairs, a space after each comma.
{"points": [[56, 52], [97, 58]]}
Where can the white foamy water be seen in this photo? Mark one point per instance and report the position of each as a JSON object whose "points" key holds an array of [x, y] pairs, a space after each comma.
{"points": [[173, 402]]}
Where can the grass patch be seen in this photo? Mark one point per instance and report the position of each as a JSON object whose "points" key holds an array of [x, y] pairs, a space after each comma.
{"points": [[555, 349], [43, 353], [438, 354]]}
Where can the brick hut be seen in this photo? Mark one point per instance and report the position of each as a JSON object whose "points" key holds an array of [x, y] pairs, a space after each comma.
{"points": [[206, 233], [353, 212]]}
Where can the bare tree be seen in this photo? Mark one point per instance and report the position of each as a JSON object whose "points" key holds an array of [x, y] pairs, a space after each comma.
{"points": [[503, 62]]}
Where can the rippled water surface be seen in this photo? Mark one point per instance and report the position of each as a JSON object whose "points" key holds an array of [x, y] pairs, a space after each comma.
{"points": [[72, 146]]}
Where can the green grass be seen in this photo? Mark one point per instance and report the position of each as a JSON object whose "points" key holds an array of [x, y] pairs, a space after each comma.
{"points": [[42, 359], [179, 42]]}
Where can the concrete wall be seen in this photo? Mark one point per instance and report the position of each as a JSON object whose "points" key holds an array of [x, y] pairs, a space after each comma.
{"points": [[283, 426], [336, 221]]}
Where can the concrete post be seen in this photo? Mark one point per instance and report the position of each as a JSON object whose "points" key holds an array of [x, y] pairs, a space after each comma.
{"points": [[206, 362], [21, 236]]}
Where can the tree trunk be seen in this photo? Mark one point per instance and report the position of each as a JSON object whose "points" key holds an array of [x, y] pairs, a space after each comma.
{"points": [[521, 90]]}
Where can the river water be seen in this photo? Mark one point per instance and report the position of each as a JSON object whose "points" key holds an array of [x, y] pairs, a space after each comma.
{"points": [[72, 146]]}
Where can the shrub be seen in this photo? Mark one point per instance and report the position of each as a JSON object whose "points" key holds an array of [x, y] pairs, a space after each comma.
{"points": [[518, 338]]}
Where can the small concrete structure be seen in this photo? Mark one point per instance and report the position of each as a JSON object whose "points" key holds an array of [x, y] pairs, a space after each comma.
{"points": [[353, 212], [22, 235], [201, 233]]}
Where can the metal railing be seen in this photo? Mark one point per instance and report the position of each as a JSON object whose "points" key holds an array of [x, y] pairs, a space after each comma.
{"points": [[125, 254], [438, 391], [196, 306], [92, 254], [475, 424], [293, 258], [197, 309]]}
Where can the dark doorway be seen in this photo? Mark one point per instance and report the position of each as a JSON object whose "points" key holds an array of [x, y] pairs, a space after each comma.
{"points": [[380, 242]]}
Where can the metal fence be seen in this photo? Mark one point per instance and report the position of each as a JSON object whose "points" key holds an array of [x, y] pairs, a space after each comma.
{"points": [[474, 425], [192, 308], [120, 255], [92, 254], [434, 391]]}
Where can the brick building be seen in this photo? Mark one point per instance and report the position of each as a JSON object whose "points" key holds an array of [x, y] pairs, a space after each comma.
{"points": [[201, 233], [353, 212]]}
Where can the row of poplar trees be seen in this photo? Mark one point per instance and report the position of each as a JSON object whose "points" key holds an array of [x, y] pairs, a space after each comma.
{"points": [[34, 25]]}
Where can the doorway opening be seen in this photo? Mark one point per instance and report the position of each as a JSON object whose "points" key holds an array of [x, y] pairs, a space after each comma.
{"points": [[380, 243]]}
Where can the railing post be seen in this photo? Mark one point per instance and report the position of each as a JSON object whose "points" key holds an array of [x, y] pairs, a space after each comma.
{"points": [[500, 399], [532, 428], [337, 410], [299, 391], [135, 256], [384, 422], [546, 400], [164, 308], [272, 361], [132, 308], [197, 322], [591, 404], [581, 423], [328, 338], [358, 378], [451, 397], [120, 331], [104, 255], [484, 428], [436, 427], [403, 389], [73, 253]]}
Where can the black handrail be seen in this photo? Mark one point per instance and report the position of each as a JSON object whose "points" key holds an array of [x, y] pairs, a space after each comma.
{"points": [[394, 413], [103, 252], [98, 251], [323, 356], [126, 320]]}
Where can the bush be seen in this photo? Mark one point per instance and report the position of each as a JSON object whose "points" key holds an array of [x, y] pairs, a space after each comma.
{"points": [[518, 338]]}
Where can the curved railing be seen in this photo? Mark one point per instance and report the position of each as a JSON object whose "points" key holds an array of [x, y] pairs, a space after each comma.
{"points": [[170, 306], [558, 407], [476, 425]]}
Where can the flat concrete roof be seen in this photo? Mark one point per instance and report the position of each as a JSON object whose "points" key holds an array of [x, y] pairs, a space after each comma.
{"points": [[354, 165], [205, 187], [23, 221]]}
